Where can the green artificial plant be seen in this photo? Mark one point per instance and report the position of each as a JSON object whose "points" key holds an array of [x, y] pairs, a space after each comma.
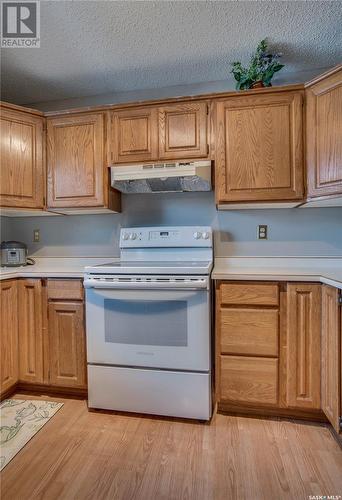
{"points": [[262, 67]]}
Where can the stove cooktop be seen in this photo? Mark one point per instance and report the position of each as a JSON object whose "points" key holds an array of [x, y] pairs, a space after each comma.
{"points": [[151, 267]]}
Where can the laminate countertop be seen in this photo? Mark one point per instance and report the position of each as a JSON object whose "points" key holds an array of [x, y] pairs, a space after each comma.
{"points": [[57, 267], [314, 269]]}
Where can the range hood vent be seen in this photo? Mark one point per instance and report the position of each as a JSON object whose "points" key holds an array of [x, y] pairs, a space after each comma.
{"points": [[162, 177]]}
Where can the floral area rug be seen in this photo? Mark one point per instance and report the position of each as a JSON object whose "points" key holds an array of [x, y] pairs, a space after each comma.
{"points": [[20, 420]]}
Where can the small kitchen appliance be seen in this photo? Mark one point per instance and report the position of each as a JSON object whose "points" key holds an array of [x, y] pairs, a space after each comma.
{"points": [[14, 254], [149, 326]]}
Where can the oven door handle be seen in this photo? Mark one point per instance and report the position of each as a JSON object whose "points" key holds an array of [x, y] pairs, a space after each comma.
{"points": [[146, 295], [198, 284]]}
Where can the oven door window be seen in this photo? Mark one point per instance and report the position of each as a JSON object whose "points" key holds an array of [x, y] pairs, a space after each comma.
{"points": [[146, 322]]}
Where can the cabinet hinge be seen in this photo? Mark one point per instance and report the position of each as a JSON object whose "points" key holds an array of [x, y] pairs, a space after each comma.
{"points": [[207, 109], [339, 300], [207, 149]]}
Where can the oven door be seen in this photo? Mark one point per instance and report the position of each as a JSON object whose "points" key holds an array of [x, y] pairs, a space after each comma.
{"points": [[148, 328]]}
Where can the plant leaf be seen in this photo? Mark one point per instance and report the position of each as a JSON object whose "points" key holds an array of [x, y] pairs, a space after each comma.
{"points": [[263, 65]]}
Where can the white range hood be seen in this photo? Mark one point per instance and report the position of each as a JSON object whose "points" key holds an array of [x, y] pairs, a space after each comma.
{"points": [[162, 177]]}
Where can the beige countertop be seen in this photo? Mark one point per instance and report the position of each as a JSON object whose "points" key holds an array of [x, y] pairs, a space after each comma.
{"points": [[54, 267], [317, 269]]}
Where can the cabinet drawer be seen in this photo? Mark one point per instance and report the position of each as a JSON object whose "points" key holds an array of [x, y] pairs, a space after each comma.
{"points": [[249, 331], [250, 294], [249, 380], [65, 289]]}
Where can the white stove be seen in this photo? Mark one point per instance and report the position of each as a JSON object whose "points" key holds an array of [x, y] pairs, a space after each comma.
{"points": [[148, 324]]}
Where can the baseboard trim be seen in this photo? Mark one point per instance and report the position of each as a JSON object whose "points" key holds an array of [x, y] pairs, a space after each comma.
{"points": [[336, 436], [8, 393], [262, 412], [74, 392]]}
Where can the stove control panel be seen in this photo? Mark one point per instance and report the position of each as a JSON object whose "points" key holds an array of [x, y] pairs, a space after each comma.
{"points": [[164, 235], [161, 237], [205, 235]]}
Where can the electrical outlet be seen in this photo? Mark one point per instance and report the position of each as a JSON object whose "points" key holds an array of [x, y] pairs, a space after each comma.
{"points": [[36, 235], [262, 232]]}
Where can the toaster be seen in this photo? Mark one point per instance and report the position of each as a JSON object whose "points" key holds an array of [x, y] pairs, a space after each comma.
{"points": [[14, 253]]}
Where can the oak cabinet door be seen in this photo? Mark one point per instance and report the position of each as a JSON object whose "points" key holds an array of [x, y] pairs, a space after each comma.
{"points": [[303, 349], [324, 136], [76, 162], [259, 148], [30, 313], [67, 344], [9, 335], [22, 177], [183, 130], [331, 356], [133, 135]]}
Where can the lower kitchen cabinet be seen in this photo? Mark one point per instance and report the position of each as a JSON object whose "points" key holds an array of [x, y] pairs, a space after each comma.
{"points": [[42, 334], [67, 367], [30, 314], [331, 356], [303, 346], [268, 348], [9, 368], [66, 334]]}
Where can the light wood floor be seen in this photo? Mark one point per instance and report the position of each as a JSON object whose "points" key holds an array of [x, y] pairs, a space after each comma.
{"points": [[87, 455]]}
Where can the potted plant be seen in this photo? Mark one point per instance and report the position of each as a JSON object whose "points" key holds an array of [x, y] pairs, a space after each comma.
{"points": [[260, 72]]}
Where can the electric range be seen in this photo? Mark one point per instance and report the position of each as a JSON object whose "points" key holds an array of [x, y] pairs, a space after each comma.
{"points": [[149, 325]]}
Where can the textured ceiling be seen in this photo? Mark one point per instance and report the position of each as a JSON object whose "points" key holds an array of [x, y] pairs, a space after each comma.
{"points": [[90, 48]]}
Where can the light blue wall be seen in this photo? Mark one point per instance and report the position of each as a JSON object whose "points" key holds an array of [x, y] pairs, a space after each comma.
{"points": [[5, 228], [292, 232]]}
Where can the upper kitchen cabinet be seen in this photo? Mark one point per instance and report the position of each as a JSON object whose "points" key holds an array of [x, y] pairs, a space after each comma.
{"points": [[259, 147], [77, 175], [183, 130], [324, 134], [133, 135], [150, 133], [22, 176]]}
